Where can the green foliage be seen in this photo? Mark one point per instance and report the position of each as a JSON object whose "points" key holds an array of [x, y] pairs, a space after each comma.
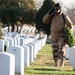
{"points": [[69, 38], [10, 15], [29, 8], [47, 5], [29, 16], [12, 10]]}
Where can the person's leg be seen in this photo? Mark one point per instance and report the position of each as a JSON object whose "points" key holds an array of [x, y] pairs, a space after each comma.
{"points": [[62, 62], [62, 54], [55, 51]]}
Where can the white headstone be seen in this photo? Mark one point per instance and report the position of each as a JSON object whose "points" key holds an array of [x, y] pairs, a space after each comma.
{"points": [[7, 64], [18, 51], [13, 34], [36, 36], [42, 42], [35, 49], [71, 50], [26, 41], [73, 59], [30, 40], [6, 43], [31, 56], [45, 36], [39, 44], [11, 42], [15, 41], [1, 45], [18, 41], [67, 52], [26, 55], [22, 41]]}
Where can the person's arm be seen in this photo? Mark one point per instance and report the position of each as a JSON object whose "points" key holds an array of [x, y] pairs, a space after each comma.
{"points": [[68, 22], [47, 17]]}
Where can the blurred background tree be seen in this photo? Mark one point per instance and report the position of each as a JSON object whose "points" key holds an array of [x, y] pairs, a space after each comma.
{"points": [[47, 5], [13, 11]]}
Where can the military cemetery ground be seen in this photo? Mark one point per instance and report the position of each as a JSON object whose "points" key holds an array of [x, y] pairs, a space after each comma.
{"points": [[30, 53], [25, 48], [43, 64]]}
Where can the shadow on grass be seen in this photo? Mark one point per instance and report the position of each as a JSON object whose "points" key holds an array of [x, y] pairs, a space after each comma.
{"points": [[46, 69], [52, 69], [48, 42], [53, 73]]}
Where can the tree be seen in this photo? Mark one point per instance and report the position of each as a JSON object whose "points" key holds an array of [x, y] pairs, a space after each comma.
{"points": [[71, 13], [17, 10], [29, 8], [9, 10], [11, 15], [47, 5]]}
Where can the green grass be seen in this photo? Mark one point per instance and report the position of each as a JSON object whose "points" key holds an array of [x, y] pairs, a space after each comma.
{"points": [[43, 64]]}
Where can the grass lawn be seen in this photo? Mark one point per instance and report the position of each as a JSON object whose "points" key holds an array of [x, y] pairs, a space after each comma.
{"points": [[43, 64]]}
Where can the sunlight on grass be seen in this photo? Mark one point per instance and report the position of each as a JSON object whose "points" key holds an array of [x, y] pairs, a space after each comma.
{"points": [[43, 64]]}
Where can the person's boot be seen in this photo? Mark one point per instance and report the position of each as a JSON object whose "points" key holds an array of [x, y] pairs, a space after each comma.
{"points": [[56, 63], [62, 62]]}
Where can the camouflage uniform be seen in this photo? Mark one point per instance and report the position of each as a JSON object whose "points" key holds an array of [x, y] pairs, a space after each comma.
{"points": [[58, 50]]}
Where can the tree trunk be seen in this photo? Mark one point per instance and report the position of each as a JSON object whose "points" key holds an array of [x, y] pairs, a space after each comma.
{"points": [[13, 27], [8, 28]]}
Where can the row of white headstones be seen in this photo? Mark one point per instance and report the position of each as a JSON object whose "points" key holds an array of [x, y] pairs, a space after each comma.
{"points": [[28, 29], [20, 52], [24, 31]]}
